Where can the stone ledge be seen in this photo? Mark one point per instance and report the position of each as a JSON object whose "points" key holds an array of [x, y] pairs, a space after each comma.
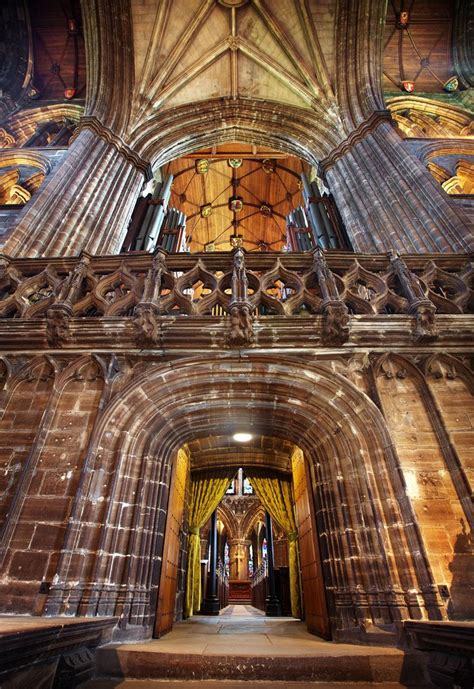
{"points": [[451, 651], [193, 333], [31, 649]]}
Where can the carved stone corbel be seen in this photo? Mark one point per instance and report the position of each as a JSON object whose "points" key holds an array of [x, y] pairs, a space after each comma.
{"points": [[240, 332], [420, 306], [147, 322], [425, 323], [57, 324], [335, 326]]}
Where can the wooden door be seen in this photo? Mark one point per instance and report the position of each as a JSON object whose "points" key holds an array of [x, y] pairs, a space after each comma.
{"points": [[314, 594], [169, 569]]}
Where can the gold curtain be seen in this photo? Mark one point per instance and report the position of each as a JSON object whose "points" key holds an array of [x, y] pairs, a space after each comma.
{"points": [[275, 495], [206, 493]]}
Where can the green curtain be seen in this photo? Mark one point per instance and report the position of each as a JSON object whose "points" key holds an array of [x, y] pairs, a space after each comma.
{"points": [[276, 497], [207, 490]]}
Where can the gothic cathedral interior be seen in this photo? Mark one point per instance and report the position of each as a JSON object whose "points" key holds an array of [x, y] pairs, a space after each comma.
{"points": [[236, 301]]}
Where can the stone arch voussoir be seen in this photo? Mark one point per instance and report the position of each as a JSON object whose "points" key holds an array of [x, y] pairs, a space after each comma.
{"points": [[341, 431]]}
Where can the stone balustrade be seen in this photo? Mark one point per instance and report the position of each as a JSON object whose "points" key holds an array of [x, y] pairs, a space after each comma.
{"points": [[146, 290]]}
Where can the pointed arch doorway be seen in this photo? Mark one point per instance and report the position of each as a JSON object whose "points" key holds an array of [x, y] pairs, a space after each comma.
{"points": [[369, 573], [296, 516]]}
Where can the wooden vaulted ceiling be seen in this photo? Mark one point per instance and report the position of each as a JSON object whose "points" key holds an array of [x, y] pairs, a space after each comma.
{"points": [[59, 63], [267, 182], [288, 52], [420, 52]]}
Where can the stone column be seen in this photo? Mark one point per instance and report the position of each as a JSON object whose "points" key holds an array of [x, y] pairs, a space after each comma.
{"points": [[272, 604], [87, 202], [211, 603], [388, 199]]}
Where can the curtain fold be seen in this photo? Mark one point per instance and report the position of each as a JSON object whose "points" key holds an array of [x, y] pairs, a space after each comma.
{"points": [[276, 497], [206, 493]]}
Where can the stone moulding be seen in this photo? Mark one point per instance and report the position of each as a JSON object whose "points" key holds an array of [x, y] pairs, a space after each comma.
{"points": [[105, 133], [353, 139]]}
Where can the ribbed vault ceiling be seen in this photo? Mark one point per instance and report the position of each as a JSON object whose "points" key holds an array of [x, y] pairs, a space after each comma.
{"points": [[203, 49]]}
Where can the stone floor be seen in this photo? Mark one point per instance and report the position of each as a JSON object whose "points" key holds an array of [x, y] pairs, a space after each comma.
{"points": [[242, 647], [244, 629]]}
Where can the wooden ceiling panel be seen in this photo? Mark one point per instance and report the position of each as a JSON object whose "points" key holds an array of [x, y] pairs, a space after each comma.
{"points": [[422, 51], [262, 229], [59, 54], [262, 450]]}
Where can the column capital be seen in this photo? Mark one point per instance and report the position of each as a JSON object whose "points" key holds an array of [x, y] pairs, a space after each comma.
{"points": [[106, 134], [366, 127]]}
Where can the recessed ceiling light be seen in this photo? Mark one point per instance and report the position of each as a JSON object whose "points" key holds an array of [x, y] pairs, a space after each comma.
{"points": [[242, 437]]}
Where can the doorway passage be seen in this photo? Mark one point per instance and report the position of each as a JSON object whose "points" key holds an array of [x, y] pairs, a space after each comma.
{"points": [[222, 520]]}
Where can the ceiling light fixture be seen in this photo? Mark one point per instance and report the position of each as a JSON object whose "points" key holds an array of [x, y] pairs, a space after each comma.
{"points": [[242, 437]]}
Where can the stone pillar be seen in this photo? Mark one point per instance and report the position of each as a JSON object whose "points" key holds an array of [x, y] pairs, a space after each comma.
{"points": [[211, 603], [272, 604], [86, 203], [388, 199]]}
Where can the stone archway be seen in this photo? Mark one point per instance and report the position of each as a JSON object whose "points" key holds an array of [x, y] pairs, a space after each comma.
{"points": [[362, 511]]}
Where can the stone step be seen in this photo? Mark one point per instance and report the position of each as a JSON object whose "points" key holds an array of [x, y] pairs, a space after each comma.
{"points": [[333, 664], [237, 684]]}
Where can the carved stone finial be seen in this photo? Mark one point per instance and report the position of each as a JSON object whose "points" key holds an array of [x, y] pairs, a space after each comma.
{"points": [[4, 263], [420, 306], [239, 279], [159, 260], [335, 327]]}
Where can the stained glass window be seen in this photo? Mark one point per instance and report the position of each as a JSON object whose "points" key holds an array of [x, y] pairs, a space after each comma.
{"points": [[248, 490], [226, 560]]}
